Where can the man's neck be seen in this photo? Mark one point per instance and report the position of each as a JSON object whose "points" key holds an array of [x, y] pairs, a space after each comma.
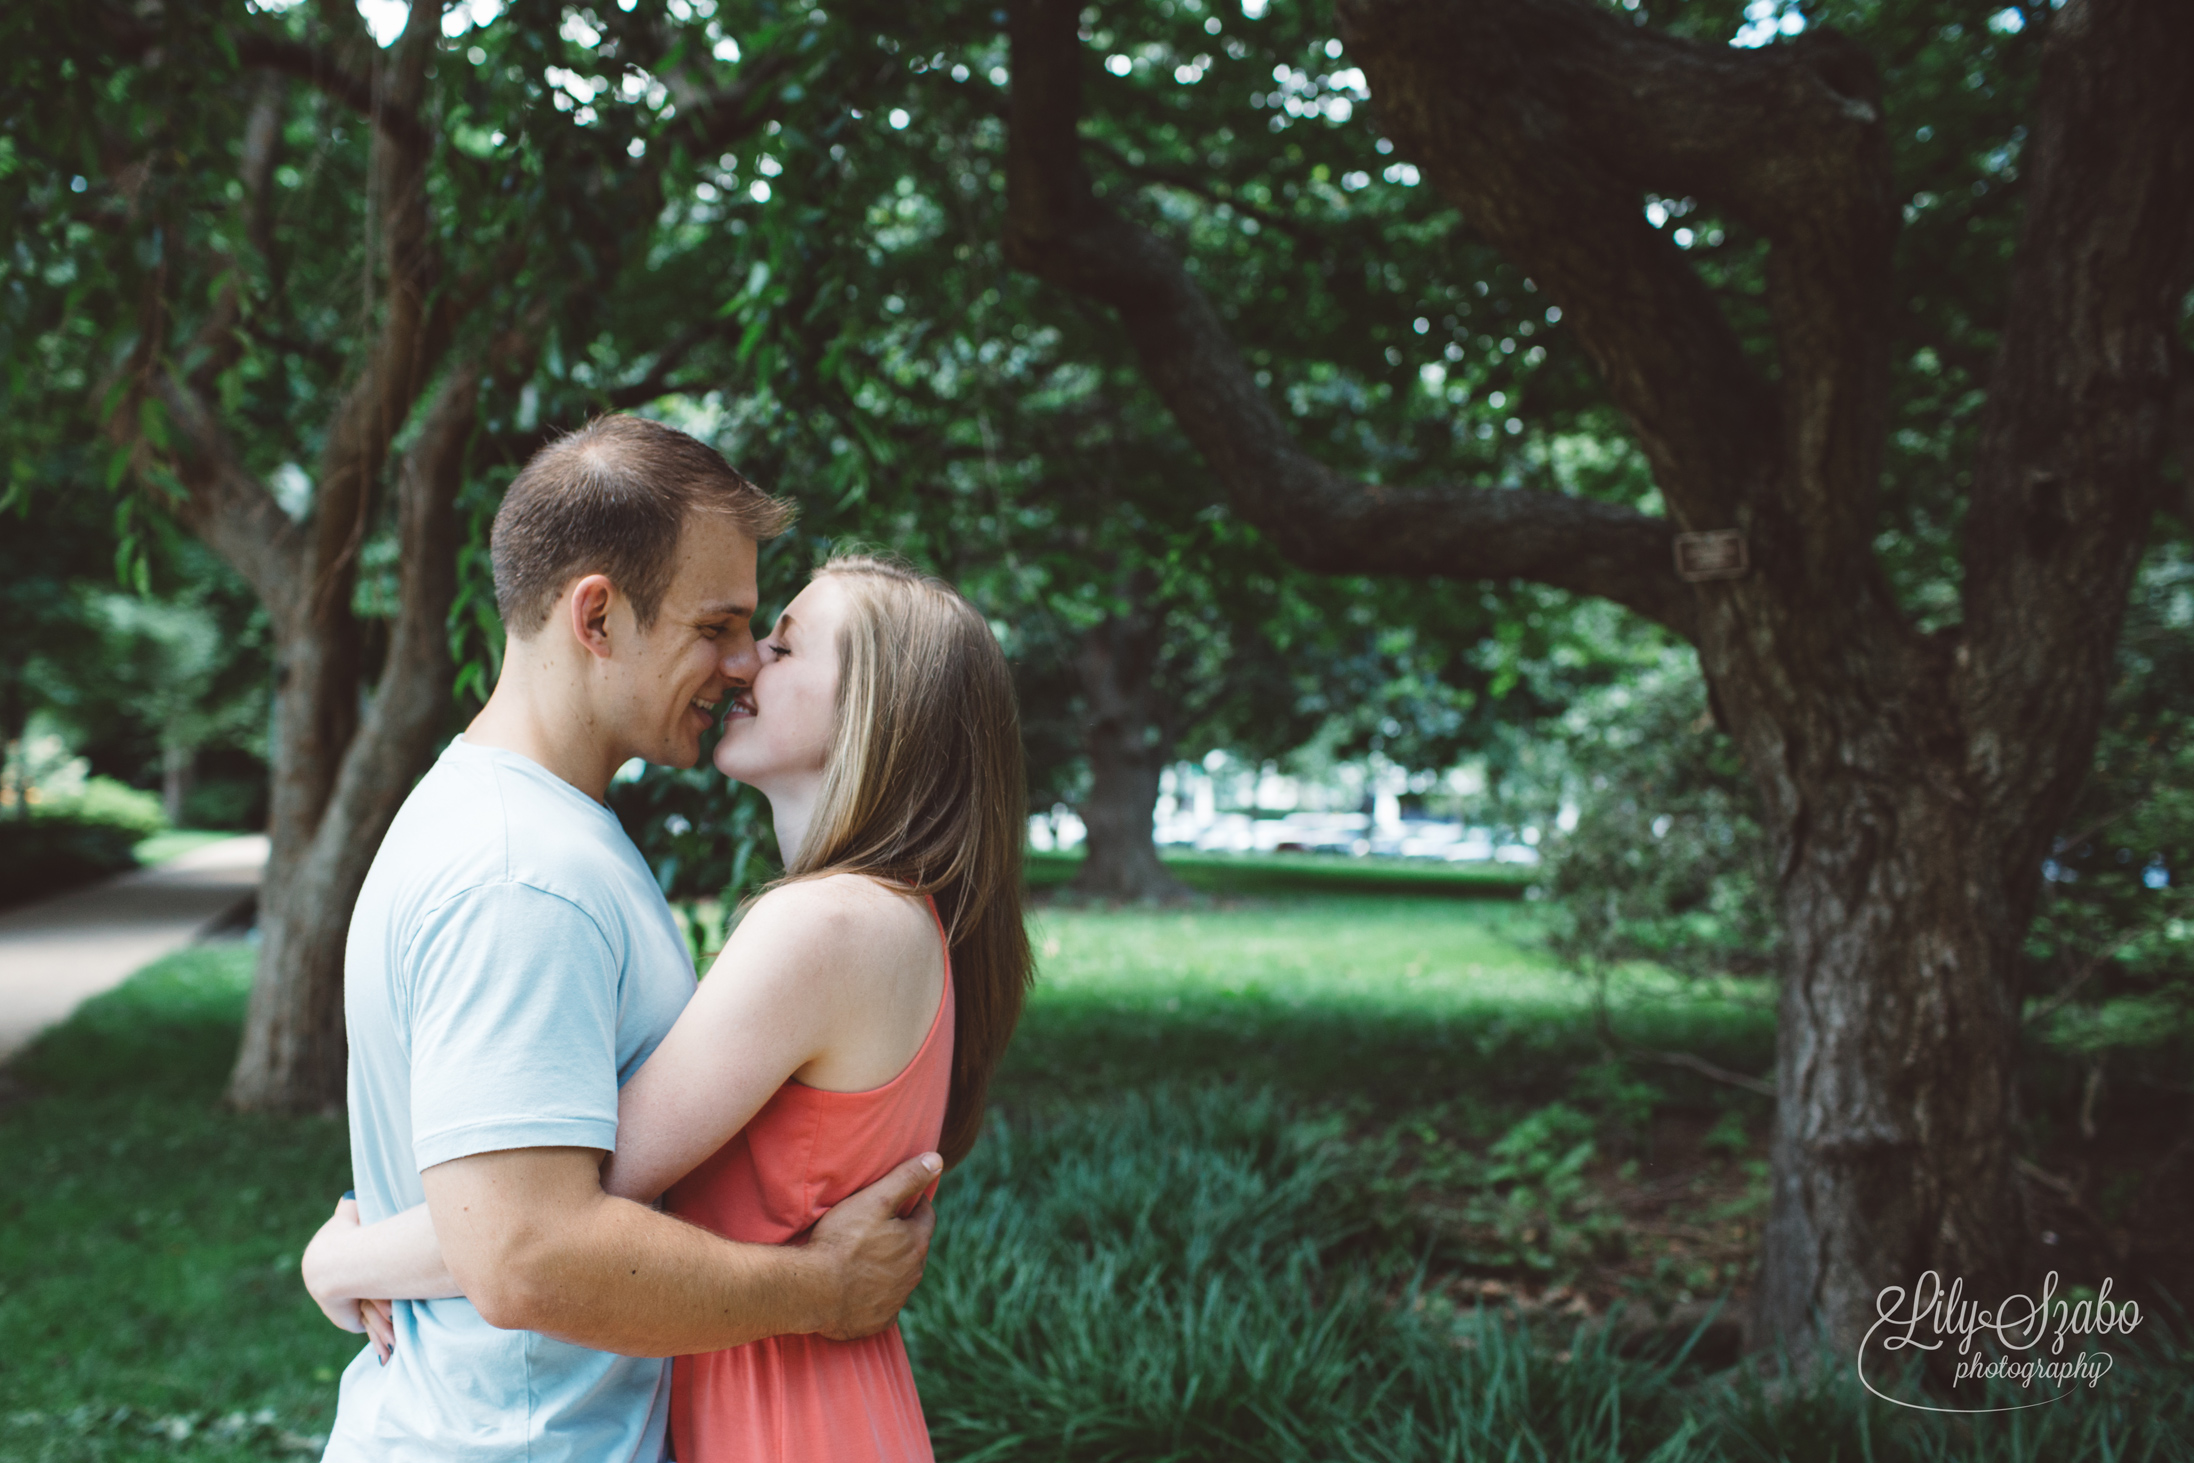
{"points": [[544, 715]]}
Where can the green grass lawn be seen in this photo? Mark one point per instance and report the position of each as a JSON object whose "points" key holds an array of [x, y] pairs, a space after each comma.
{"points": [[149, 1297], [1401, 1001], [1252, 1163], [1284, 875]]}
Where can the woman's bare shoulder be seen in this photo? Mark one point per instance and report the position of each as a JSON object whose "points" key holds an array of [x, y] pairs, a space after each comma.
{"points": [[842, 911]]}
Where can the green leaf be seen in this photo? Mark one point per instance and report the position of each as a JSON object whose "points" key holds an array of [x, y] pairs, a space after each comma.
{"points": [[152, 420]]}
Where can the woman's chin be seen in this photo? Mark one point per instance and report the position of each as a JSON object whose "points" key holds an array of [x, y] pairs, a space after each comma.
{"points": [[735, 767]]}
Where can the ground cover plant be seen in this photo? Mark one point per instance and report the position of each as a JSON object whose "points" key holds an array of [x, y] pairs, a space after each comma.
{"points": [[1329, 1176]]}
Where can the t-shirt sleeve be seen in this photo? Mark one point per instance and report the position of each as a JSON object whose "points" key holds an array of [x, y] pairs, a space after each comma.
{"points": [[513, 1018]]}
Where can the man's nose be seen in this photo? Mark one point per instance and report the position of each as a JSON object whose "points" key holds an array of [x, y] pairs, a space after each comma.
{"points": [[741, 659]]}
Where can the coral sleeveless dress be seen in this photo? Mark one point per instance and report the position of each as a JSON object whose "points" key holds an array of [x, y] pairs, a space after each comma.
{"points": [[804, 1399]]}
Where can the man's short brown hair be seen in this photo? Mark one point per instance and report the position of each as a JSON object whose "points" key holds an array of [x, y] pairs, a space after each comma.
{"points": [[612, 498]]}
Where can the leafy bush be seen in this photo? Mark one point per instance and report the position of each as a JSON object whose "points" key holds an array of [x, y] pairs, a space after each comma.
{"points": [[1523, 1206], [88, 832], [2111, 952], [1667, 861], [707, 838], [226, 802], [102, 802]]}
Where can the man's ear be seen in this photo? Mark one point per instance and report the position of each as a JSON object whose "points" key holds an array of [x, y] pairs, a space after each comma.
{"points": [[589, 601]]}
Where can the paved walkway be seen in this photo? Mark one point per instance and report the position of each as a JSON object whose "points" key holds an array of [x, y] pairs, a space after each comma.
{"points": [[58, 951]]}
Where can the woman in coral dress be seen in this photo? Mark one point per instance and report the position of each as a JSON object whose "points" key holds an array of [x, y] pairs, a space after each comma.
{"points": [[855, 1016]]}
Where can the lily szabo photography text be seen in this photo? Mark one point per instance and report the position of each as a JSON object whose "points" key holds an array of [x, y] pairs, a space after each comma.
{"points": [[1265, 730], [2022, 1340]]}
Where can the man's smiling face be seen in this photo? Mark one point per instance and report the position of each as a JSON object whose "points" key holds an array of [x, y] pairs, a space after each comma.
{"points": [[697, 652]]}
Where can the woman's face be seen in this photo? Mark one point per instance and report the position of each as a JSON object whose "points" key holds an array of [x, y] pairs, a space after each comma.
{"points": [[778, 730]]}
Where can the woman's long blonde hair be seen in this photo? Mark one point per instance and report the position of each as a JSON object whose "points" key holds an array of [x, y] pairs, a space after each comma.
{"points": [[924, 789]]}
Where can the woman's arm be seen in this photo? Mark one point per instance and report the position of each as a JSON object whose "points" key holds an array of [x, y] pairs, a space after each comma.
{"points": [[797, 981], [737, 1041], [794, 985], [397, 1259]]}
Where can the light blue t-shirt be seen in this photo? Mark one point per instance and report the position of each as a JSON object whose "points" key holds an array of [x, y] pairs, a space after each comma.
{"points": [[511, 962]]}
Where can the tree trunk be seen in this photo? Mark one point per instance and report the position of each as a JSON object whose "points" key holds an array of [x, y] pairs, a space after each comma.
{"points": [[1896, 1040], [176, 765], [1909, 779], [1124, 732], [292, 1057], [334, 801], [14, 726]]}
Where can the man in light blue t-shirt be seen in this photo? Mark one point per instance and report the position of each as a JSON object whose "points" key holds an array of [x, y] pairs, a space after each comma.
{"points": [[511, 962]]}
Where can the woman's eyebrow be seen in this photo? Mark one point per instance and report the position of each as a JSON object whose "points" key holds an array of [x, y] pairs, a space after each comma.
{"points": [[784, 622]]}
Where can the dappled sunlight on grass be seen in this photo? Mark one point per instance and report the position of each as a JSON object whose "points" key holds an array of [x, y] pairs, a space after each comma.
{"points": [[1391, 1000], [1427, 956]]}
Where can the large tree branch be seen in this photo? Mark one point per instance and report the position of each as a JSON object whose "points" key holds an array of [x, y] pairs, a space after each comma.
{"points": [[1548, 121], [221, 499], [723, 117], [218, 499], [400, 124], [410, 702], [2070, 470], [217, 343], [224, 504], [257, 46], [1190, 182], [415, 329], [1057, 229]]}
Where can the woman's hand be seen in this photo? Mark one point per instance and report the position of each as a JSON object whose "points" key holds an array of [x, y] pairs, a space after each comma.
{"points": [[380, 1319], [341, 1309]]}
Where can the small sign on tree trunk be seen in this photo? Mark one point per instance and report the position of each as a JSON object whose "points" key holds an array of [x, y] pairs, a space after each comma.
{"points": [[1716, 555]]}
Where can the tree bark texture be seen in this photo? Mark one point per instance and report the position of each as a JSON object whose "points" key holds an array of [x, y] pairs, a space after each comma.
{"points": [[1126, 737], [1909, 780]]}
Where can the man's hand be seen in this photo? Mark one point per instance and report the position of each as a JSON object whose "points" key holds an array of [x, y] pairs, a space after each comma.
{"points": [[874, 1246], [531, 1238]]}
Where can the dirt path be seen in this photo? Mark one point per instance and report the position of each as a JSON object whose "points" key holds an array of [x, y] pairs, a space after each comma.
{"points": [[59, 951]]}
